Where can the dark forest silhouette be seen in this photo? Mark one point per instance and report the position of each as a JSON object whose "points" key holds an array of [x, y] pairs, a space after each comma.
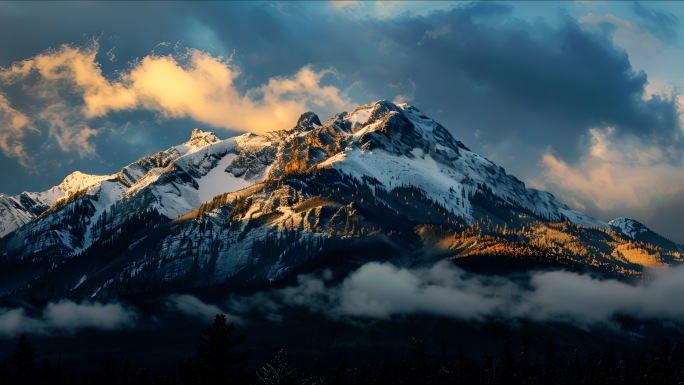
{"points": [[220, 355]]}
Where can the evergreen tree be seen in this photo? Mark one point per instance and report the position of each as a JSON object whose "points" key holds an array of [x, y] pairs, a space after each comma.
{"points": [[420, 361], [59, 370], [22, 359], [214, 355], [552, 363], [126, 372], [4, 372], [107, 369], [506, 372]]}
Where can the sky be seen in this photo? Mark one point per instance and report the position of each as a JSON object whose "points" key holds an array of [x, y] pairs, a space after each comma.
{"points": [[582, 99]]}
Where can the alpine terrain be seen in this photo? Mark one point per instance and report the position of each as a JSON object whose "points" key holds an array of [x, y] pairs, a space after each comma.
{"points": [[382, 182]]}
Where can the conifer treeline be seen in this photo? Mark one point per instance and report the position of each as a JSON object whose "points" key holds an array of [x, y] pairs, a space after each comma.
{"points": [[219, 359]]}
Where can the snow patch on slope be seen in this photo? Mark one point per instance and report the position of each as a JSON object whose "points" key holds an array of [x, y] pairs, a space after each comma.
{"points": [[149, 178], [12, 214], [108, 194], [218, 181], [439, 184], [359, 116], [207, 167]]}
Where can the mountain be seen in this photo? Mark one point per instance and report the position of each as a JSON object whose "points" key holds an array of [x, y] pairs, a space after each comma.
{"points": [[18, 210], [383, 181], [638, 232]]}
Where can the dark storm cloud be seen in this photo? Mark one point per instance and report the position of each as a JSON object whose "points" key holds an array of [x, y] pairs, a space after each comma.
{"points": [[473, 67], [661, 24], [541, 84], [132, 29]]}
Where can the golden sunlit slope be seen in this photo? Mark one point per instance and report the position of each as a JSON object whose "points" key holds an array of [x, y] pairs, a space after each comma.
{"points": [[552, 243]]}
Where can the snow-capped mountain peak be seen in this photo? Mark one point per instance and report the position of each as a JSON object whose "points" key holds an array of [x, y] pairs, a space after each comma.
{"points": [[198, 140], [77, 181], [307, 122], [398, 145], [18, 210], [628, 226]]}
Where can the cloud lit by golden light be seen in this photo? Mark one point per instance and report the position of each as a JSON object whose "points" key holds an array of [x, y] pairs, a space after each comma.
{"points": [[193, 85], [613, 175]]}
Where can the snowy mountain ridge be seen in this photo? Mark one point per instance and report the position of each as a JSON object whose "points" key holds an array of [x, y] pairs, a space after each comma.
{"points": [[433, 160], [629, 226], [171, 183], [443, 167], [18, 210], [255, 207]]}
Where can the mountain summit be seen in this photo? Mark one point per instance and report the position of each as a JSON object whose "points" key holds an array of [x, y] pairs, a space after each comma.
{"points": [[18, 210], [383, 181]]}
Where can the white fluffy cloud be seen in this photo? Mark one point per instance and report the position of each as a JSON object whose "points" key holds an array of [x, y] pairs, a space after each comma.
{"points": [[67, 317], [69, 84], [193, 306], [382, 291]]}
